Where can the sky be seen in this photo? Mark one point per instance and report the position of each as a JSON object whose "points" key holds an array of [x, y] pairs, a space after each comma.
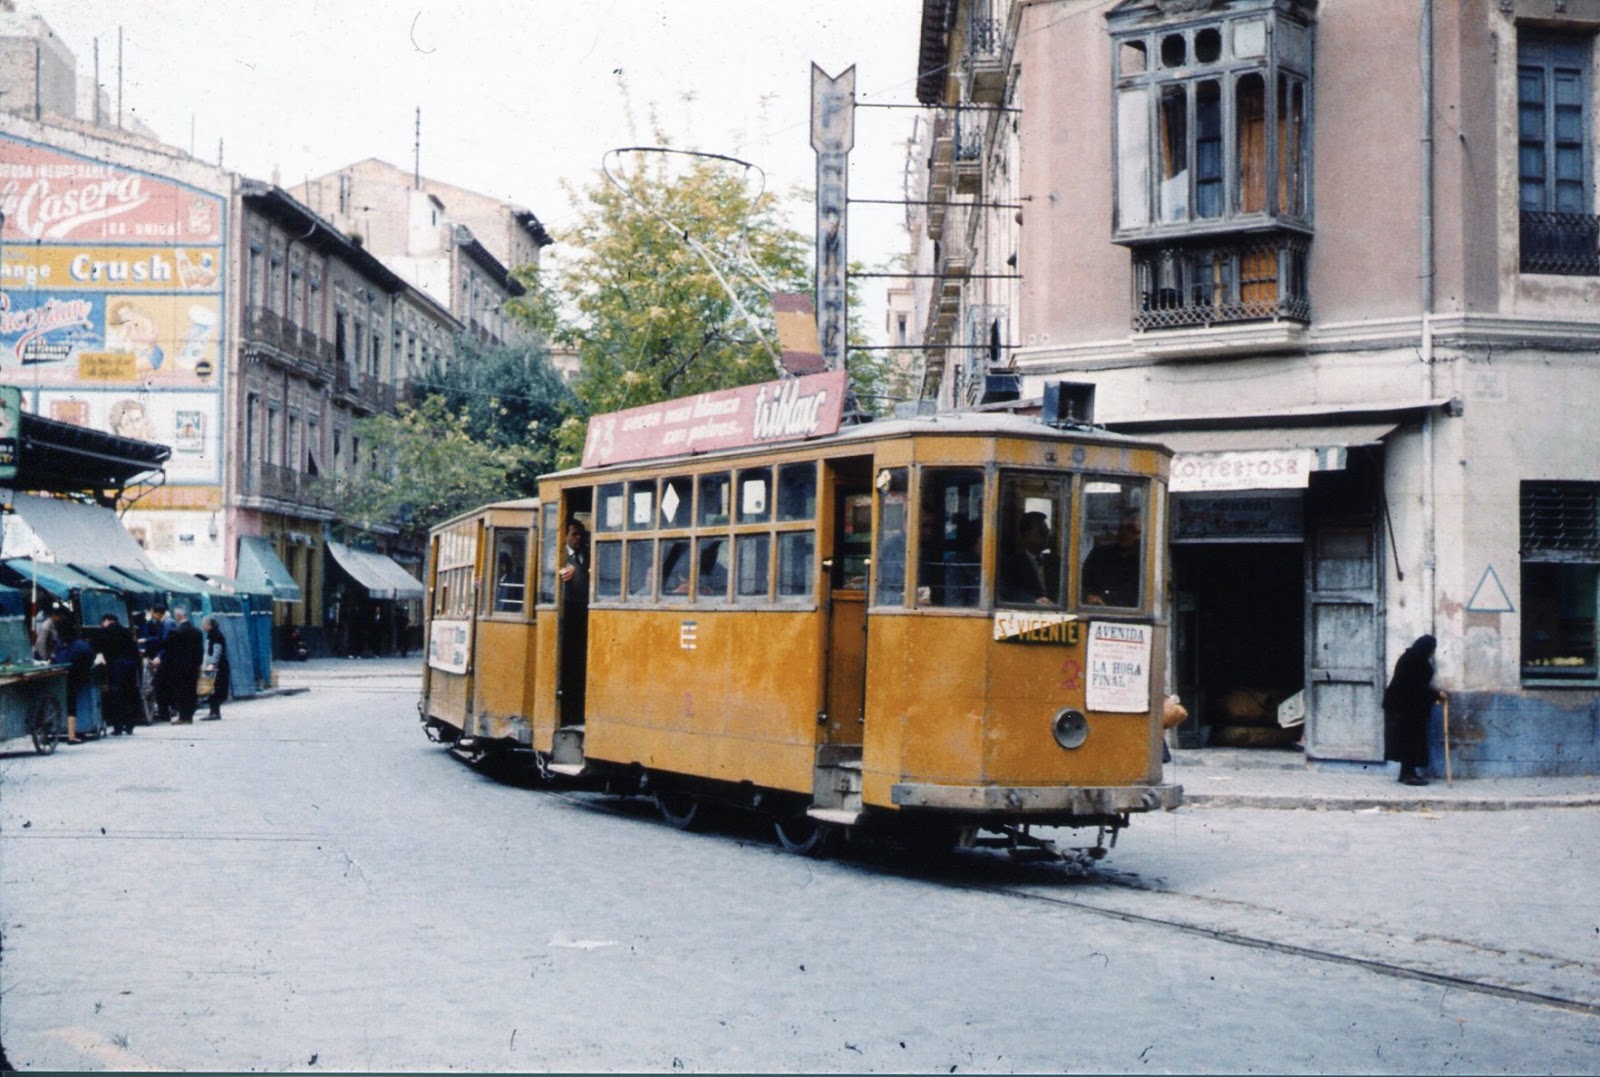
{"points": [[516, 95]]}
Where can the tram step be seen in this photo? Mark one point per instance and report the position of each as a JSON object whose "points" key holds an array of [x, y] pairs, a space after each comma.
{"points": [[571, 770], [567, 749], [835, 816]]}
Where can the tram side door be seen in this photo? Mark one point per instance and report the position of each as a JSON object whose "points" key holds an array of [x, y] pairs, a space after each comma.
{"points": [[849, 561]]}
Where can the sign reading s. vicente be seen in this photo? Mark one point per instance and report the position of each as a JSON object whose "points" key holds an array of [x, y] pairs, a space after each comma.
{"points": [[790, 410]]}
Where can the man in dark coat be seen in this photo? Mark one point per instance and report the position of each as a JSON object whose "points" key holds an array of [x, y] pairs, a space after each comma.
{"points": [[121, 694], [180, 664], [1407, 706], [574, 623]]}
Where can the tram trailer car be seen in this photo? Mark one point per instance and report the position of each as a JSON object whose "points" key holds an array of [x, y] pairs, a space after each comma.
{"points": [[478, 680], [944, 626]]}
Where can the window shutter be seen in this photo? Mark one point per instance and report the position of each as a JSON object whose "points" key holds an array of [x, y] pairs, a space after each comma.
{"points": [[1561, 521]]}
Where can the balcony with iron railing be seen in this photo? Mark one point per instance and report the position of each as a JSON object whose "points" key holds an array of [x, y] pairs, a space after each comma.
{"points": [[968, 154], [985, 60], [1251, 279], [291, 346], [274, 482], [1565, 244]]}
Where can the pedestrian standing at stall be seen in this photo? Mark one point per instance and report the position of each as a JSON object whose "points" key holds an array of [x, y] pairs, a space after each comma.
{"points": [[153, 635], [1407, 707], [180, 664], [216, 667], [121, 656]]}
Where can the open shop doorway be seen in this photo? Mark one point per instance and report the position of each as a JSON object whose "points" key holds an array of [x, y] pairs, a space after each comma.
{"points": [[1240, 641]]}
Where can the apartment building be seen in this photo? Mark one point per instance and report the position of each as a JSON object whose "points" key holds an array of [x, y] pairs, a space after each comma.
{"points": [[1342, 258]]}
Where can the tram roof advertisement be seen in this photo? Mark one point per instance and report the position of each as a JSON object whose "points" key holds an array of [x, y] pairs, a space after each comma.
{"points": [[793, 409]]}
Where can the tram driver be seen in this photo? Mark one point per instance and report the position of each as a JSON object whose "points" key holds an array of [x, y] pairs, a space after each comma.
{"points": [[1030, 571]]}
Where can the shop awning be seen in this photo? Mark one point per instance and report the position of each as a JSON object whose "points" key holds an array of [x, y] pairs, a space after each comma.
{"points": [[260, 569], [380, 575], [1262, 458], [53, 529]]}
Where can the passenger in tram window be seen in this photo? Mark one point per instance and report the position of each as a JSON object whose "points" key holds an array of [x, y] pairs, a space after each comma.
{"points": [[675, 567], [575, 572], [1111, 571], [1030, 570]]}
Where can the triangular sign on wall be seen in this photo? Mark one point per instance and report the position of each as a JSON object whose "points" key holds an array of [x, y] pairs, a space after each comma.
{"points": [[1490, 596]]}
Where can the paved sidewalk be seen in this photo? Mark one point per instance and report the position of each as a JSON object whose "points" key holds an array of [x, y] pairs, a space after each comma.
{"points": [[1268, 778]]}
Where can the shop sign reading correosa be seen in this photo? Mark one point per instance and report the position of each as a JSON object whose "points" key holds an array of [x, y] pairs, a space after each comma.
{"points": [[774, 411]]}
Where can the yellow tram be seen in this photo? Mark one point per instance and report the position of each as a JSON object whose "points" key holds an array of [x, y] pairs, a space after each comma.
{"points": [[942, 625]]}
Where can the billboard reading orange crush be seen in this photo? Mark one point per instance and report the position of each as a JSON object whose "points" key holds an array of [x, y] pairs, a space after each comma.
{"points": [[944, 630]]}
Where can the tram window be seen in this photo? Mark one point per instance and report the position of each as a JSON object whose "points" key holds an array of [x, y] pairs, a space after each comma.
{"points": [[675, 503], [713, 568], [641, 568], [715, 494], [755, 500], [510, 571], [1112, 544], [950, 533], [797, 492], [1033, 518], [854, 554], [611, 508], [675, 561], [889, 588], [547, 552], [796, 558], [608, 569], [641, 505], [752, 568]]}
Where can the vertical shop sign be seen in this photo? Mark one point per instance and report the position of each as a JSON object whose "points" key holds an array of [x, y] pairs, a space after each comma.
{"points": [[833, 134]]}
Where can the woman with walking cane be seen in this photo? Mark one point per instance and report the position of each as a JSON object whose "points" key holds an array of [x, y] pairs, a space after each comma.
{"points": [[1407, 705]]}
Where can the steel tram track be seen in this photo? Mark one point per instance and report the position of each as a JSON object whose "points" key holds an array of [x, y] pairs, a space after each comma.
{"points": [[611, 804], [1235, 937]]}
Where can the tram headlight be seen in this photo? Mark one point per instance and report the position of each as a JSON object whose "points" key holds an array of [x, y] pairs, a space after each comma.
{"points": [[1070, 728]]}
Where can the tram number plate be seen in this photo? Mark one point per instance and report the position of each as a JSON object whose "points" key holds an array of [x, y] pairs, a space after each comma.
{"points": [[1027, 626]]}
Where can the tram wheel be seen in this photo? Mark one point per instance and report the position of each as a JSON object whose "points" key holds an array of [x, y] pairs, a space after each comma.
{"points": [[800, 834], [43, 714], [680, 810]]}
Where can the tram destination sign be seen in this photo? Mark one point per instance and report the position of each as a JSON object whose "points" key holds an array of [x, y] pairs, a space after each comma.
{"points": [[776, 411]]}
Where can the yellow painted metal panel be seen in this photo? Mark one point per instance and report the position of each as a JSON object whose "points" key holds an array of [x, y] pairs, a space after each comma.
{"points": [[447, 698], [946, 704], [711, 693], [544, 680], [504, 679]]}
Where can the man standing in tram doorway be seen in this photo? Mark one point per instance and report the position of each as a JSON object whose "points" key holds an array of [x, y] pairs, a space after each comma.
{"points": [[574, 622]]}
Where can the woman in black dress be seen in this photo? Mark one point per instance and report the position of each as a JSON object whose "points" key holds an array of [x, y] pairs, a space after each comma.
{"points": [[216, 664], [1407, 706]]}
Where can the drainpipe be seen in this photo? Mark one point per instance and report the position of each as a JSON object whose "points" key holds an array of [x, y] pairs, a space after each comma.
{"points": [[1425, 278]]}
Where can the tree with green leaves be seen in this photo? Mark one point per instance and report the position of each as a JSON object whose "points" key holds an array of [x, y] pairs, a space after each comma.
{"points": [[508, 396], [667, 289], [419, 467]]}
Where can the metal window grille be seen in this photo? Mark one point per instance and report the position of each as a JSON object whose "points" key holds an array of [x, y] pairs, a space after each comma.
{"points": [[1561, 521], [1561, 243]]}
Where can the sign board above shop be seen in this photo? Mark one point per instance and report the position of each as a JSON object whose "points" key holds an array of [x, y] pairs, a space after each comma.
{"points": [[776, 411]]}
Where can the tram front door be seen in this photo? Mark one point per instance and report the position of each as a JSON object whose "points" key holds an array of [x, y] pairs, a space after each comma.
{"points": [[847, 602]]}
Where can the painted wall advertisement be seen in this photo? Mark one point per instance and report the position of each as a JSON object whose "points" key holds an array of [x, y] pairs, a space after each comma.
{"points": [[111, 301]]}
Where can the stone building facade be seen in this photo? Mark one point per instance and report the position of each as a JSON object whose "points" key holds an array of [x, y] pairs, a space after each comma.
{"points": [[1343, 259]]}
